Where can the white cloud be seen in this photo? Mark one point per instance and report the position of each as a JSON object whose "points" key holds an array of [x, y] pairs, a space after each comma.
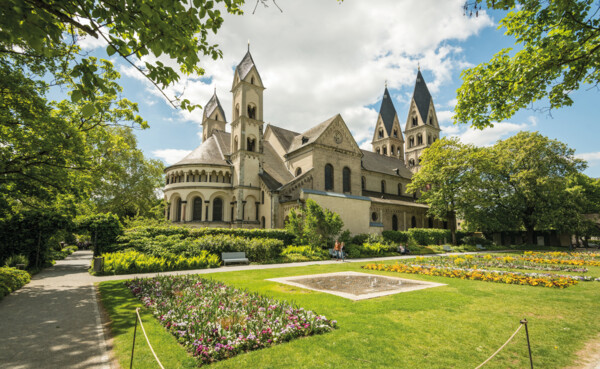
{"points": [[170, 156], [319, 58], [593, 158], [487, 136], [444, 116]]}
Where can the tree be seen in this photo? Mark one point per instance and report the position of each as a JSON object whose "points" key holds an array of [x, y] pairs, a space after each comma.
{"points": [[314, 225], [446, 180], [560, 42], [585, 206]]}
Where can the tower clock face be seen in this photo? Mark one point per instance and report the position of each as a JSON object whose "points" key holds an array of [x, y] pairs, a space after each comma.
{"points": [[337, 136]]}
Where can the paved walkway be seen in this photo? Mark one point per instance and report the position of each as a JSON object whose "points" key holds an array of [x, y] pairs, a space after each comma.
{"points": [[54, 322]]}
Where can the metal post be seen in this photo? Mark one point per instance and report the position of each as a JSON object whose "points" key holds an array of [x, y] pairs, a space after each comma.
{"points": [[133, 345], [524, 321]]}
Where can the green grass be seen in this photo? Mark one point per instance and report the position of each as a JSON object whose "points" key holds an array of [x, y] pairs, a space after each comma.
{"points": [[458, 325]]}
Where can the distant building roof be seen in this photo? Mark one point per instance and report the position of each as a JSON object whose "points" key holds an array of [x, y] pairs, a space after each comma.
{"points": [[208, 153], [284, 136], [422, 97], [387, 111], [311, 135], [385, 164]]}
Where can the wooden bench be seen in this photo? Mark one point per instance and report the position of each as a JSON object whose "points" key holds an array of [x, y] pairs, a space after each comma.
{"points": [[479, 247], [447, 248], [234, 257]]}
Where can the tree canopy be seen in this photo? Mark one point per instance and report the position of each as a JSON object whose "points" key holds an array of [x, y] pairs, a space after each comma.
{"points": [[559, 44]]}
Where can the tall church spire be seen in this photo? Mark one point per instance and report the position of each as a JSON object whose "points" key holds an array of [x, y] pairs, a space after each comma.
{"points": [[213, 118], [387, 139], [421, 96]]}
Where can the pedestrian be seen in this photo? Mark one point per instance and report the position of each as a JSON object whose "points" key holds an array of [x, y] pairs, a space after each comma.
{"points": [[342, 251], [336, 249]]}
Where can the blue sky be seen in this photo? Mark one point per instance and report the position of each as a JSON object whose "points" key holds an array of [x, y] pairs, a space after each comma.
{"points": [[318, 58]]}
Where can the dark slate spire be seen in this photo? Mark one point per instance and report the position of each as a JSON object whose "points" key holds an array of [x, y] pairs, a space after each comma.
{"points": [[422, 97], [213, 104], [387, 111], [245, 65]]}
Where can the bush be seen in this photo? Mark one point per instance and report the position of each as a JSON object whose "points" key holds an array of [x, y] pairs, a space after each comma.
{"points": [[103, 230], [135, 262], [395, 236], [473, 240], [353, 250], [11, 279], [314, 224], [376, 249], [430, 236], [304, 253], [360, 238], [14, 260]]}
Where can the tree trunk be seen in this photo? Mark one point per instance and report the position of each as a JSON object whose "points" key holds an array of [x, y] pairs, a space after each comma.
{"points": [[530, 235]]}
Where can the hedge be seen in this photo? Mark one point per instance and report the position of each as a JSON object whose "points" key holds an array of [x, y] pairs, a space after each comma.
{"points": [[135, 262], [11, 279]]}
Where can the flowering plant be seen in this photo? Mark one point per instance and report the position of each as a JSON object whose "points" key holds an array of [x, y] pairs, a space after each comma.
{"points": [[215, 321]]}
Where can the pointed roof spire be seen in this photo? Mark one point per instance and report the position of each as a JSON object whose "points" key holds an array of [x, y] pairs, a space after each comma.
{"points": [[213, 104], [245, 65], [387, 111], [421, 96]]}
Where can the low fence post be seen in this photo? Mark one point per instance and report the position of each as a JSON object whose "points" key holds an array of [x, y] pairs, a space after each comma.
{"points": [[133, 345], [524, 322]]}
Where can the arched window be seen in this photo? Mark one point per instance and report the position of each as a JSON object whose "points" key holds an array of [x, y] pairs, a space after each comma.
{"points": [[262, 222], [197, 209], [235, 143], [385, 150], [430, 121], [419, 139], [395, 133], [262, 197], [399, 188], [167, 180], [414, 121], [328, 177], [411, 141], [363, 183], [394, 222], [374, 216], [250, 144], [252, 80], [413, 222], [217, 210], [393, 150], [429, 140], [237, 111], [177, 211], [411, 162], [378, 151], [382, 186], [381, 133], [346, 179], [298, 171], [251, 112]]}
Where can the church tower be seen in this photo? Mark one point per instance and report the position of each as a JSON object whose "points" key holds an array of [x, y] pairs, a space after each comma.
{"points": [[213, 118], [246, 136], [422, 127], [387, 139]]}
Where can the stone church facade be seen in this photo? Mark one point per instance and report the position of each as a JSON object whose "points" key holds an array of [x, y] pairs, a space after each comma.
{"points": [[253, 175]]}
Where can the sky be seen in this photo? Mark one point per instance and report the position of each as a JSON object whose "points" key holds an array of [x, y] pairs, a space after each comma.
{"points": [[318, 58]]}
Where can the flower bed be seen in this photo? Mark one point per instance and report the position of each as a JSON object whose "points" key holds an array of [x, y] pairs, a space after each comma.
{"points": [[488, 261], [532, 279], [215, 321], [577, 258]]}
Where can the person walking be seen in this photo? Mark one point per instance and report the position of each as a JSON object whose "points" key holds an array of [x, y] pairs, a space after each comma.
{"points": [[336, 250], [342, 256]]}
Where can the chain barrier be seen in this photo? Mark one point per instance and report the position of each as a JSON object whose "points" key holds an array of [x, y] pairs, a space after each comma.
{"points": [[523, 323], [137, 313]]}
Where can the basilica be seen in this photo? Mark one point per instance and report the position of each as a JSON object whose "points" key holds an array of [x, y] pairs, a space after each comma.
{"points": [[251, 175]]}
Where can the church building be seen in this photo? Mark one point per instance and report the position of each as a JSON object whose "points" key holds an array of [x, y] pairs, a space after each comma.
{"points": [[253, 174]]}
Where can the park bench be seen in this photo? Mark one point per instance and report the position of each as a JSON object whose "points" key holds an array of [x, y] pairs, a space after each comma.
{"points": [[479, 247], [234, 257], [447, 248]]}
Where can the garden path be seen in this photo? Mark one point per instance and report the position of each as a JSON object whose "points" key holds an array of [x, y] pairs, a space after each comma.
{"points": [[54, 321]]}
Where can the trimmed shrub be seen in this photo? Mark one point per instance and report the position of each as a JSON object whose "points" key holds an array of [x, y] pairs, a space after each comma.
{"points": [[376, 249], [304, 253], [135, 262], [473, 240], [430, 236], [103, 229], [353, 250], [11, 279], [360, 238], [395, 236]]}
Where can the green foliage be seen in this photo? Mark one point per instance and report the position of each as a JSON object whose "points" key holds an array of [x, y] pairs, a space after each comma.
{"points": [[135, 262], [558, 42], [353, 250], [376, 249], [474, 241], [395, 236], [304, 253], [360, 238], [429, 236], [314, 225], [103, 230], [14, 260], [12, 279]]}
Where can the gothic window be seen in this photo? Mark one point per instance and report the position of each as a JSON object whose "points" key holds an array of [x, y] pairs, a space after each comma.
{"points": [[385, 150], [394, 222], [298, 171], [413, 222], [382, 186], [346, 179], [419, 139], [363, 183], [197, 209], [250, 145], [399, 188], [217, 210], [328, 177], [414, 121], [381, 133], [251, 112], [395, 133], [411, 141]]}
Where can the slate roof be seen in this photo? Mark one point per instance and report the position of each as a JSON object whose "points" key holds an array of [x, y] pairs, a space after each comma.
{"points": [[274, 165], [384, 164], [245, 66], [387, 111], [224, 141], [310, 136], [285, 136], [422, 97], [269, 181], [208, 153], [213, 104]]}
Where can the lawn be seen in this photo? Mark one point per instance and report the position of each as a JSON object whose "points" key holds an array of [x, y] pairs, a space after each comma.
{"points": [[458, 325]]}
